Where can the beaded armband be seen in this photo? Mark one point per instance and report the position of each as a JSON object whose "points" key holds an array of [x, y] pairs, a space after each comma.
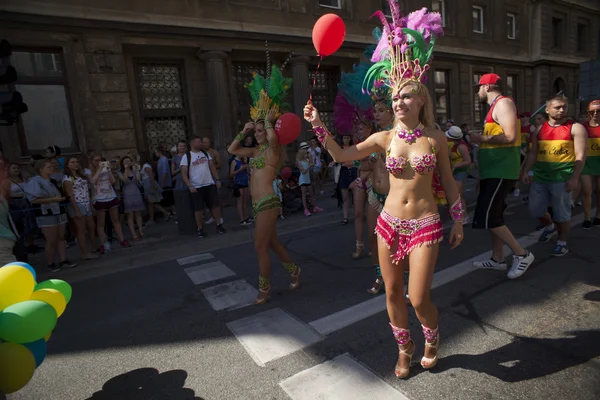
{"points": [[457, 212], [268, 125], [321, 133], [240, 136]]}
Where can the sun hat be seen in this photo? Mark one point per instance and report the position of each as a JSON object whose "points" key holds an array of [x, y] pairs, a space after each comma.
{"points": [[454, 133]]}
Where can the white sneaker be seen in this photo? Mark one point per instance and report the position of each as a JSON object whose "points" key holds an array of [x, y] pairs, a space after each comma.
{"points": [[107, 246], [520, 264], [516, 192], [490, 265], [221, 220], [209, 221]]}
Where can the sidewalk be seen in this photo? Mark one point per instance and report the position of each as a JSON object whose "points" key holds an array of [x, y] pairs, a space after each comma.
{"points": [[163, 242]]}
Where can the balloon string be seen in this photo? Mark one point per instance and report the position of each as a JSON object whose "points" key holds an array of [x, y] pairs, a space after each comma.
{"points": [[315, 78]]}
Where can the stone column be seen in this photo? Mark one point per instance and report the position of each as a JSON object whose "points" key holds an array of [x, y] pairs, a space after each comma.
{"points": [[218, 78], [301, 88]]}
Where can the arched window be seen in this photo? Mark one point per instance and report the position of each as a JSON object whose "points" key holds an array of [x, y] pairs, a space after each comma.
{"points": [[559, 85]]}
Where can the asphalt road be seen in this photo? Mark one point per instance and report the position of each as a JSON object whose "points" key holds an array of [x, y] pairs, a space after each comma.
{"points": [[150, 332]]}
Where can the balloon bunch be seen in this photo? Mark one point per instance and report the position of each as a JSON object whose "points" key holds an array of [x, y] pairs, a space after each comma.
{"points": [[28, 314]]}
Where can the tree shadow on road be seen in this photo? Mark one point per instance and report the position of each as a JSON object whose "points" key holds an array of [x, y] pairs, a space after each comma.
{"points": [[528, 358], [146, 384]]}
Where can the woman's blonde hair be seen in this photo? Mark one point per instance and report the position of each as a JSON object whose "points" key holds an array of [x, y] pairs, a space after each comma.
{"points": [[426, 113], [301, 154]]}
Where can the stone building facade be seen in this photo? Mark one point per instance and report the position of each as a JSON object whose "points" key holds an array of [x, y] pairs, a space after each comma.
{"points": [[116, 75]]}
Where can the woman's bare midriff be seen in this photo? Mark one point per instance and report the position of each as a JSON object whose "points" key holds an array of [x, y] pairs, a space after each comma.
{"points": [[261, 183], [411, 198]]}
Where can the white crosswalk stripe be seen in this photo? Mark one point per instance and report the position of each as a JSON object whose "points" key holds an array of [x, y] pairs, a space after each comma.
{"points": [[208, 272], [230, 295], [194, 258], [342, 378], [272, 334]]}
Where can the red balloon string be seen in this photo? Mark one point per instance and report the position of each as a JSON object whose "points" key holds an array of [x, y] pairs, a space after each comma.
{"points": [[315, 78]]}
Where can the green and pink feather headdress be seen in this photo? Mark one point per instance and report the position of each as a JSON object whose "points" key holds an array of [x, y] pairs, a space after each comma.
{"points": [[405, 47]]}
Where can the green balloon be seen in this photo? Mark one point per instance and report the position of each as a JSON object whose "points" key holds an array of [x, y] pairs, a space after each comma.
{"points": [[27, 321], [57, 284]]}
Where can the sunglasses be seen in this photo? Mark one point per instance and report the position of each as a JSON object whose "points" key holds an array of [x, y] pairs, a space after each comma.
{"points": [[593, 112]]}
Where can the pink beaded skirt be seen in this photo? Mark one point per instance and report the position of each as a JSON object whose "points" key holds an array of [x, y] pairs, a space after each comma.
{"points": [[408, 233]]}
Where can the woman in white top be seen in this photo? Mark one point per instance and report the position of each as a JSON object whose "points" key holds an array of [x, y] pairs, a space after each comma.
{"points": [[315, 154], [77, 188], [105, 199], [152, 193]]}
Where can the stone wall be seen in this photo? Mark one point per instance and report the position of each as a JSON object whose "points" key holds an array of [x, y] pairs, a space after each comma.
{"points": [[110, 88]]}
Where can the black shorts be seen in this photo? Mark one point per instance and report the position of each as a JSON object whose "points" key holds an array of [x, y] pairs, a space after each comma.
{"points": [[489, 211], [167, 194], [206, 195]]}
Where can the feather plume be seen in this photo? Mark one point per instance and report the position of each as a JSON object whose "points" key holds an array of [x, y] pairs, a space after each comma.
{"points": [[405, 47], [343, 115], [268, 94]]}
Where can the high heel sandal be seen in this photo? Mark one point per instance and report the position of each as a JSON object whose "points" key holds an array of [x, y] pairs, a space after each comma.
{"points": [[295, 278], [378, 286], [263, 296], [431, 336], [403, 339], [360, 246]]}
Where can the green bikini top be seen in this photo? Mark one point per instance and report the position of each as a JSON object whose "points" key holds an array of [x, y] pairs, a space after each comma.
{"points": [[259, 162]]}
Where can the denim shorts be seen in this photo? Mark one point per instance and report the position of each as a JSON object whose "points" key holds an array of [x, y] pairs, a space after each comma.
{"points": [[461, 176], [543, 195], [51, 220], [85, 211]]}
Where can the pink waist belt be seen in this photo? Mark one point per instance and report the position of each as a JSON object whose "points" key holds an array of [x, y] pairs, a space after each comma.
{"points": [[409, 233]]}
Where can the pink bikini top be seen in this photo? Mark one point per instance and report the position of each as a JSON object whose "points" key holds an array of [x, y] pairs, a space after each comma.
{"points": [[420, 164]]}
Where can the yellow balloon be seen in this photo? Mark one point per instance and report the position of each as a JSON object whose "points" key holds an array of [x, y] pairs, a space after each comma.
{"points": [[16, 285], [52, 297], [21, 366], [47, 337]]}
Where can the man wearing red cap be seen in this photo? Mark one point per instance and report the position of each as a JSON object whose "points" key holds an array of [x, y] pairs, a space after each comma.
{"points": [[499, 167]]}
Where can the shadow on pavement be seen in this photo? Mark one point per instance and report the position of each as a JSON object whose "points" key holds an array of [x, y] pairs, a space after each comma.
{"points": [[528, 358], [146, 384], [593, 295]]}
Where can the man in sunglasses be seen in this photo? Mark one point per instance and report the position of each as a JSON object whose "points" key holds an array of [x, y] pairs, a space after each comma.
{"points": [[591, 171]]}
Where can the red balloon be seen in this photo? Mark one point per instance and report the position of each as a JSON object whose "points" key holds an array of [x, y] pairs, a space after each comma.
{"points": [[286, 173], [328, 34], [288, 127]]}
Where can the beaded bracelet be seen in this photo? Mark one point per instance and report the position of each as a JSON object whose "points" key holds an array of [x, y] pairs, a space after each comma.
{"points": [[268, 125], [240, 136], [321, 133], [457, 212]]}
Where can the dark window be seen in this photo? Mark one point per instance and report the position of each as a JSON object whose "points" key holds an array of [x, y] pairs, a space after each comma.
{"points": [[557, 32], [441, 80], [511, 86], [324, 91], [43, 84], [478, 21], [479, 108], [582, 37], [440, 7], [511, 26], [163, 104]]}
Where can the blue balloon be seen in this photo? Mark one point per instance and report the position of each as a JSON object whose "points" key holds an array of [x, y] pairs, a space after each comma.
{"points": [[29, 267], [38, 349]]}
